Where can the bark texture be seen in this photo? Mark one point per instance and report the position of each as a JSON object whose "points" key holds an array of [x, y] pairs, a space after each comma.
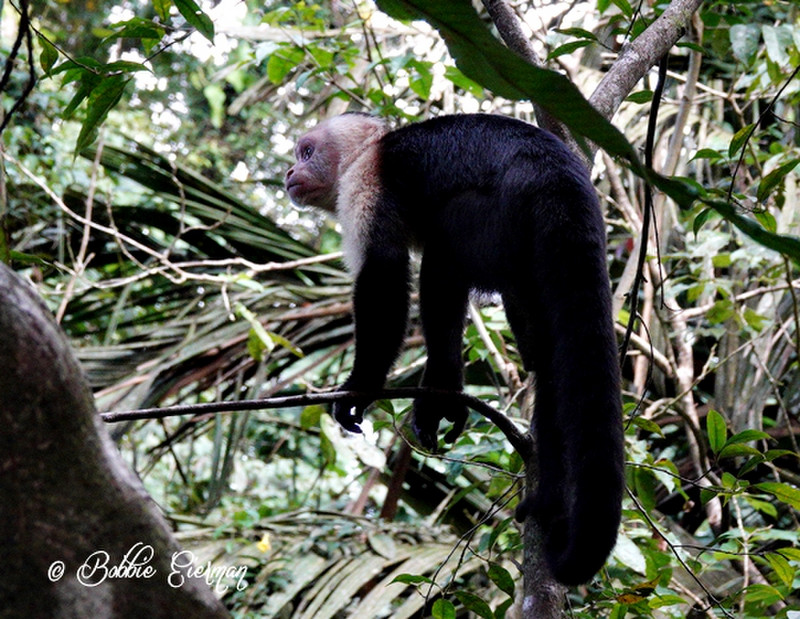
{"points": [[65, 492]]}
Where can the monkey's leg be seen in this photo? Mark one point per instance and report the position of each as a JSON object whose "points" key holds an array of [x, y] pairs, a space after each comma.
{"points": [[443, 302]]}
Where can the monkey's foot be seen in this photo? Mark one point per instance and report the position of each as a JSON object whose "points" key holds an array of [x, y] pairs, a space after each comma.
{"points": [[429, 412]]}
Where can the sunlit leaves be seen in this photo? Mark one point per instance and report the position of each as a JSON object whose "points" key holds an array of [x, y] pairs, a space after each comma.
{"points": [[101, 85], [196, 17]]}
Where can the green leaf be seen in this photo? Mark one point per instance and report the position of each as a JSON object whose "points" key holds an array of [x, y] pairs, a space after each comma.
{"points": [[411, 579], [283, 62], [162, 9], [625, 7], [194, 15], [568, 48], [702, 217], [578, 32], [215, 96], [736, 450], [717, 430], [764, 507], [327, 449], [502, 608], [753, 319], [266, 340], [648, 425], [739, 138], [642, 96], [784, 244], [475, 604], [771, 180], [645, 487], [462, 81], [781, 567], [421, 79], [693, 46], [747, 436], [137, 28], [123, 66], [443, 609], [777, 41], [49, 55], [722, 261], [707, 153], [744, 41], [783, 492], [751, 464], [311, 415], [500, 576], [772, 454], [88, 82], [101, 101], [765, 594], [766, 219], [720, 312]]}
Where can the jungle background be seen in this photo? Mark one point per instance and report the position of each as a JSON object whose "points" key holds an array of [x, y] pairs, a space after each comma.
{"points": [[143, 150]]}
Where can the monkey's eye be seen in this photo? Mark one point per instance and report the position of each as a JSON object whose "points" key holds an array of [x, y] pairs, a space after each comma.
{"points": [[306, 153]]}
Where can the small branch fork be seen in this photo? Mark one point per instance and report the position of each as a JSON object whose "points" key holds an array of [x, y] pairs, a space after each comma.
{"points": [[521, 441]]}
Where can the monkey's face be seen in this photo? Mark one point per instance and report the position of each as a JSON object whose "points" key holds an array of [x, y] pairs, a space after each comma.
{"points": [[312, 180]]}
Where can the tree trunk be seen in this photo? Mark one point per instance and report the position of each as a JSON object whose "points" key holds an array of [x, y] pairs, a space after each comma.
{"points": [[68, 502]]}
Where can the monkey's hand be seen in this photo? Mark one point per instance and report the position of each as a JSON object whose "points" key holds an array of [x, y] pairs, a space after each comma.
{"points": [[429, 412], [350, 412]]}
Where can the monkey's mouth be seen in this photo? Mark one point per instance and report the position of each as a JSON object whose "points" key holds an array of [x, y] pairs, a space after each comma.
{"points": [[294, 190]]}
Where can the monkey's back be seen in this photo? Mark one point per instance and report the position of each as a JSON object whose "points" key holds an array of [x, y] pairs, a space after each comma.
{"points": [[487, 190]]}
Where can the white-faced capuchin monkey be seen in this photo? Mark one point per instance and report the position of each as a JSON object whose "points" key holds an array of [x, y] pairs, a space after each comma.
{"points": [[493, 204]]}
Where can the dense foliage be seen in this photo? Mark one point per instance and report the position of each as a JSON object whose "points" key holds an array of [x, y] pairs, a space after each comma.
{"points": [[140, 190]]}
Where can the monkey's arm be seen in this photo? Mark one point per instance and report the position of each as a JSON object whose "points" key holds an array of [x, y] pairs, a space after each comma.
{"points": [[380, 302]]}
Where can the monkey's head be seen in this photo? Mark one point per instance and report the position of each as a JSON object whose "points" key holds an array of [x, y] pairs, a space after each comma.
{"points": [[325, 153]]}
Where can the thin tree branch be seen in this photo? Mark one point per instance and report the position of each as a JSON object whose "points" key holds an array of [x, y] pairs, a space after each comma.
{"points": [[518, 439], [638, 56]]}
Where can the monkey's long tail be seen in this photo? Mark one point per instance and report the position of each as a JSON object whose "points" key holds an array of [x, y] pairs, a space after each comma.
{"points": [[577, 417]]}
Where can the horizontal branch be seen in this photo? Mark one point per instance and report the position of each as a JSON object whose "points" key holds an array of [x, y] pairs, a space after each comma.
{"points": [[518, 439]]}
